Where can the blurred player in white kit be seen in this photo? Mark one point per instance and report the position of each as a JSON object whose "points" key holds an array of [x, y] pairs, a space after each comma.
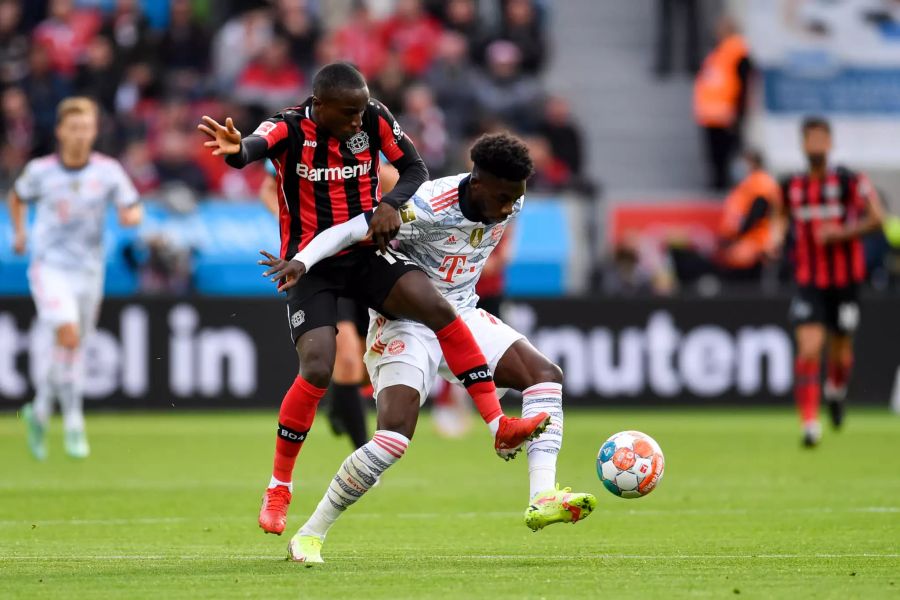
{"points": [[71, 190]]}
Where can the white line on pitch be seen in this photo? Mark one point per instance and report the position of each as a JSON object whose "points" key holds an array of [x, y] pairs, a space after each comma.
{"points": [[433, 515], [355, 556]]}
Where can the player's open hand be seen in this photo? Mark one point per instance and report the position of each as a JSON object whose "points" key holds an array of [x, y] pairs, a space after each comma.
{"points": [[225, 138], [384, 225], [19, 243], [287, 272]]}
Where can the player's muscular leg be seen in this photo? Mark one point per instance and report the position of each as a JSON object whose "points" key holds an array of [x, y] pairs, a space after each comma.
{"points": [[522, 366], [348, 365], [810, 341], [67, 336], [398, 409], [840, 347], [316, 350], [414, 297]]}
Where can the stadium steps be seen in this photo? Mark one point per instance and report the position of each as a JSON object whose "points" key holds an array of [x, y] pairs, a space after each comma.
{"points": [[639, 130]]}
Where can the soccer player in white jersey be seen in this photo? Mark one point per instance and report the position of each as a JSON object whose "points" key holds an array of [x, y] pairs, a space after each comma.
{"points": [[450, 226], [71, 190]]}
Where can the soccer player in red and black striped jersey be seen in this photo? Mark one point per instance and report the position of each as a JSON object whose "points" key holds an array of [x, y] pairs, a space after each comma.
{"points": [[325, 152], [828, 211]]}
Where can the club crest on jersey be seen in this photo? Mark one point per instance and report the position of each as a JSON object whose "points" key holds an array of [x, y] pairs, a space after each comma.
{"points": [[358, 143], [396, 347], [407, 213], [398, 133], [476, 236]]}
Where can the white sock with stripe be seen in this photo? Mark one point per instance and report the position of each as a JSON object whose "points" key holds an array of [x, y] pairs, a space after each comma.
{"points": [[542, 452], [357, 475]]}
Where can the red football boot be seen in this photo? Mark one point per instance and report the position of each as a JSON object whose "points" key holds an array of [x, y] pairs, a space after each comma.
{"points": [[273, 512], [513, 433]]}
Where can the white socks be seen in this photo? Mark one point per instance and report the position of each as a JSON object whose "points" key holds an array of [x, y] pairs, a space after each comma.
{"points": [[542, 452], [359, 472], [66, 373]]}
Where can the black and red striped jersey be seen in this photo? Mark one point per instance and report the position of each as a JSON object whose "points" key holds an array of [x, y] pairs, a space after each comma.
{"points": [[323, 181], [840, 198]]}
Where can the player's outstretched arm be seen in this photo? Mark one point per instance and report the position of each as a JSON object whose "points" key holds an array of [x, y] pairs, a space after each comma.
{"points": [[131, 216], [328, 243], [17, 214]]}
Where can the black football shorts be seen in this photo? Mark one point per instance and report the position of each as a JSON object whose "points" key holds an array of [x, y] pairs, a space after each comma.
{"points": [[364, 275], [836, 308]]}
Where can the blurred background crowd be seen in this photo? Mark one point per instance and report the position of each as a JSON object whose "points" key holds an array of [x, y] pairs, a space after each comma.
{"points": [[449, 70]]}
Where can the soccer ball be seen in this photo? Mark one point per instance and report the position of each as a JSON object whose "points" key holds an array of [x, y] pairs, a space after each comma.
{"points": [[630, 464]]}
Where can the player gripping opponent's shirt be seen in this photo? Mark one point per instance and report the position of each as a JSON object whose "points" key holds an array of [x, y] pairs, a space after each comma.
{"points": [[452, 249], [449, 228]]}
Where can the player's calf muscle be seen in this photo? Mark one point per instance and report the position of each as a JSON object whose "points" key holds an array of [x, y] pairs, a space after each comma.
{"points": [[398, 410]]}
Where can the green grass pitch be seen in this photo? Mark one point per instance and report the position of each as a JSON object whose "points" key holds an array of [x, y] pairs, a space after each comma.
{"points": [[166, 508]]}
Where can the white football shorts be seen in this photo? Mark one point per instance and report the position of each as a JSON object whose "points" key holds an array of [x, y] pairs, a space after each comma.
{"points": [[413, 344], [66, 296]]}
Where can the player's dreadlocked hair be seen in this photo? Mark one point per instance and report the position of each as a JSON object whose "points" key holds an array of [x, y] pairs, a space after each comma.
{"points": [[337, 76], [502, 155]]}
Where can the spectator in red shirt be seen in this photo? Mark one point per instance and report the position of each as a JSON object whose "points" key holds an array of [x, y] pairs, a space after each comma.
{"points": [[359, 41], [272, 81], [413, 34], [66, 34]]}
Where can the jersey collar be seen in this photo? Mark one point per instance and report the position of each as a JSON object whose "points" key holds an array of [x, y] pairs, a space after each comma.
{"points": [[465, 205]]}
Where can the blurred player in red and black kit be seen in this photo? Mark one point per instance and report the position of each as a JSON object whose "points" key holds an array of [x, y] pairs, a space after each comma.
{"points": [[326, 155], [828, 210]]}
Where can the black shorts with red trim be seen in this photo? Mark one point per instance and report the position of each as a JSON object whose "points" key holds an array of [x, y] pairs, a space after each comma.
{"points": [[364, 275], [835, 308]]}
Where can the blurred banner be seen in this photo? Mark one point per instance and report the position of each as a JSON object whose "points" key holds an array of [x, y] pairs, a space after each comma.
{"points": [[226, 353], [837, 59]]}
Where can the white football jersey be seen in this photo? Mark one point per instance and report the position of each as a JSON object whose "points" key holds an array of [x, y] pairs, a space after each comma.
{"points": [[451, 249], [71, 208]]}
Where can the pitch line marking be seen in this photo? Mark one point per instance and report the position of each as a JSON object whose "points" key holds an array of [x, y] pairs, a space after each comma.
{"points": [[276, 557], [429, 515]]}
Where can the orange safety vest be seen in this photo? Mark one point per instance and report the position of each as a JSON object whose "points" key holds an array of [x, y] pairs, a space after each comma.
{"points": [[717, 88], [747, 250]]}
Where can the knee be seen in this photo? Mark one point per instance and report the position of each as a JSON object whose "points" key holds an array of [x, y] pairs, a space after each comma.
{"points": [[550, 373], [545, 372], [316, 369], [67, 337]]}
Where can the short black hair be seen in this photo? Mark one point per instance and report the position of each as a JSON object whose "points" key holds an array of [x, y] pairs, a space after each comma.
{"points": [[815, 122], [503, 156], [335, 77]]}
